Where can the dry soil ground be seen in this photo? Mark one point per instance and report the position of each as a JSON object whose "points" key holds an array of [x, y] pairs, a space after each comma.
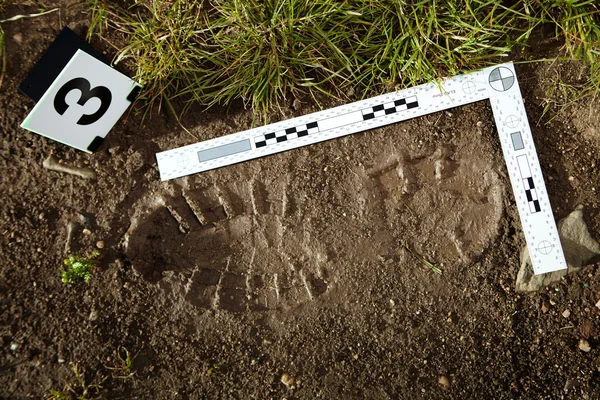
{"points": [[293, 268]]}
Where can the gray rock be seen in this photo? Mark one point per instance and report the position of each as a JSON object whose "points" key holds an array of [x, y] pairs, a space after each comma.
{"points": [[579, 248]]}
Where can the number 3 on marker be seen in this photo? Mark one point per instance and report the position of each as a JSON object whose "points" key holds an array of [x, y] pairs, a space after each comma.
{"points": [[87, 93]]}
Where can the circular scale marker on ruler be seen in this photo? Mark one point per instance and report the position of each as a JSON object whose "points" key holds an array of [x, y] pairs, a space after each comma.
{"points": [[544, 247], [497, 84], [501, 79], [183, 161], [512, 121], [469, 87]]}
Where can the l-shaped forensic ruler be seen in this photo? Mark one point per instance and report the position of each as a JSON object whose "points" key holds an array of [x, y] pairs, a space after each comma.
{"points": [[498, 84]]}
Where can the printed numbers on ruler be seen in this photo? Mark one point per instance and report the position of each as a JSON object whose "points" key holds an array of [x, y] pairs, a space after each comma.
{"points": [[84, 102]]}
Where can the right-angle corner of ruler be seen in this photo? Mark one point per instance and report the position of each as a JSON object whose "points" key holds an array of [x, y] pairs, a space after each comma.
{"points": [[525, 172]]}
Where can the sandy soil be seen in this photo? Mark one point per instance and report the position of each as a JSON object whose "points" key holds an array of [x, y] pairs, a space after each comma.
{"points": [[290, 276]]}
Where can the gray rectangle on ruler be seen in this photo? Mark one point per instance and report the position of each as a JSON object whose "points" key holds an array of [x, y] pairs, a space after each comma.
{"points": [[517, 141], [224, 150], [340, 120]]}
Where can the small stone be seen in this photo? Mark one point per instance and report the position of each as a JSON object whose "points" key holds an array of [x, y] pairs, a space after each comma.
{"points": [[296, 104], [566, 313], [61, 360], [444, 382], [100, 244], [85, 219], [14, 347], [584, 345], [86, 231], [545, 306], [287, 380], [598, 304], [18, 37], [579, 249]]}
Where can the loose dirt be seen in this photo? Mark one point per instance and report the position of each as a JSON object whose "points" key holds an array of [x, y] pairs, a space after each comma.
{"points": [[298, 275]]}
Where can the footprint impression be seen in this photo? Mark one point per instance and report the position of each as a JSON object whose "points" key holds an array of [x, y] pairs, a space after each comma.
{"points": [[235, 248], [252, 243]]}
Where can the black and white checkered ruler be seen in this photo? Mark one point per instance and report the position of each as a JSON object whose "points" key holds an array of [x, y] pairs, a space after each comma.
{"points": [[498, 84]]}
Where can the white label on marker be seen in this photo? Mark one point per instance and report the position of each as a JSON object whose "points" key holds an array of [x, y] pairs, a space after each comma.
{"points": [[84, 102], [497, 84]]}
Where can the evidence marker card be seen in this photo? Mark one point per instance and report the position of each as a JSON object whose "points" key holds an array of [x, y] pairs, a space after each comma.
{"points": [[83, 103]]}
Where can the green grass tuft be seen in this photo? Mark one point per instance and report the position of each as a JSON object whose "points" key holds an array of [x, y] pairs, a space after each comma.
{"points": [[80, 390], [99, 19], [166, 46], [265, 51]]}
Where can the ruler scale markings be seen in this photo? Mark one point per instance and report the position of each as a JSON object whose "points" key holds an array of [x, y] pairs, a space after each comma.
{"points": [[497, 84], [524, 171], [333, 123]]}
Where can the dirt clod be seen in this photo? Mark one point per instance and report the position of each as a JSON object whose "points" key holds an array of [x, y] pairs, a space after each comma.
{"points": [[584, 345], [444, 382], [586, 328], [288, 380], [545, 306]]}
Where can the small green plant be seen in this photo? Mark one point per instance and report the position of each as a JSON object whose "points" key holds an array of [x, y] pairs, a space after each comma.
{"points": [[79, 391], [79, 268], [214, 369], [425, 262], [99, 19], [124, 367]]}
